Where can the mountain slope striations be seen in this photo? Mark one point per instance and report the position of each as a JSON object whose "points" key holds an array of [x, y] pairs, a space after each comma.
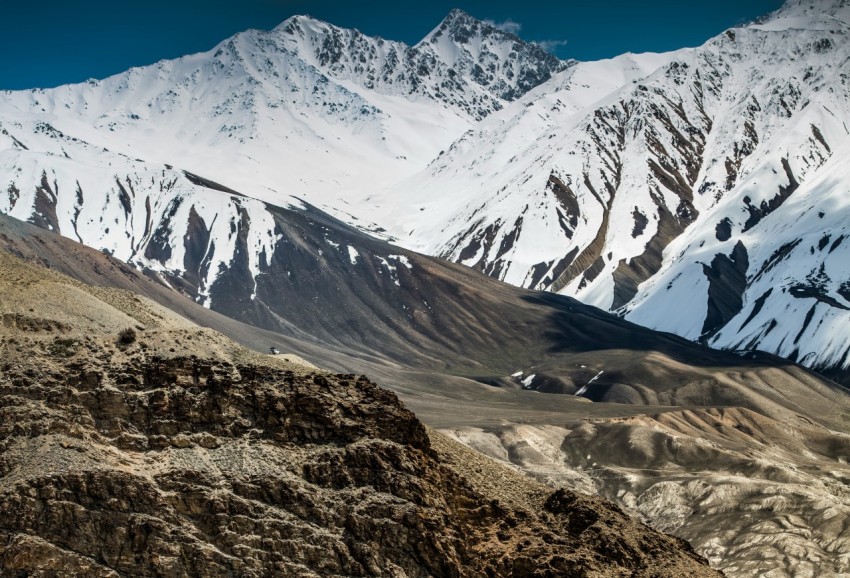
{"points": [[712, 171]]}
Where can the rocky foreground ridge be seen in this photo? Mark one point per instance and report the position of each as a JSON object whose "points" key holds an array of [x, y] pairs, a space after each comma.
{"points": [[170, 451]]}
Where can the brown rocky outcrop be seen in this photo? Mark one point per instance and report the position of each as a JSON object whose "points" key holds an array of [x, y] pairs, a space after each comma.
{"points": [[185, 466], [180, 453]]}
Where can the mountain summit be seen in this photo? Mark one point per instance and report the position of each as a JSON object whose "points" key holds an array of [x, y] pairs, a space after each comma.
{"points": [[500, 61], [452, 64], [638, 184]]}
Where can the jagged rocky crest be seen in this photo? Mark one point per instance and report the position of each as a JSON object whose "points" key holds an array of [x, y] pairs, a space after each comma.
{"points": [[505, 65], [464, 63]]}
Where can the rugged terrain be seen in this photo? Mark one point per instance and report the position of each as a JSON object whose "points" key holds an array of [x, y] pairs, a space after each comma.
{"points": [[700, 192], [173, 451], [755, 495], [721, 437]]}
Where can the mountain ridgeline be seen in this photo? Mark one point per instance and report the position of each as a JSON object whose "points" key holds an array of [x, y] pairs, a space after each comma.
{"points": [[697, 192]]}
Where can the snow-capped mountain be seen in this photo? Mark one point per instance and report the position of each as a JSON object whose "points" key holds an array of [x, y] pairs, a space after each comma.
{"points": [[306, 109], [701, 191], [132, 164]]}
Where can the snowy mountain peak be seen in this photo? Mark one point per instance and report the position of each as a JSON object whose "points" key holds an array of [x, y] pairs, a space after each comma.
{"points": [[500, 61], [470, 65], [298, 21], [461, 28], [801, 14], [342, 53], [312, 30]]}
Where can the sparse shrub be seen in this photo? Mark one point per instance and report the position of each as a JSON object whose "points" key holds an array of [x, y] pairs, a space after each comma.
{"points": [[63, 347], [126, 336]]}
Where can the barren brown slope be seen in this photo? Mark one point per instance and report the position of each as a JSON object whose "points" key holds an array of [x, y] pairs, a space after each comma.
{"points": [[726, 479], [757, 496], [175, 452], [446, 332]]}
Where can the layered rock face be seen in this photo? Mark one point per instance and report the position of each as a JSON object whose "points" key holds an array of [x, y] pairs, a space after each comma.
{"points": [[170, 451]]}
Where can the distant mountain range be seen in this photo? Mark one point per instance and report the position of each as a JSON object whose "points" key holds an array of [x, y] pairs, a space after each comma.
{"points": [[702, 192]]}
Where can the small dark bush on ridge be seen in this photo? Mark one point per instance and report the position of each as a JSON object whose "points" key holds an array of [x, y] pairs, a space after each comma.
{"points": [[127, 336]]}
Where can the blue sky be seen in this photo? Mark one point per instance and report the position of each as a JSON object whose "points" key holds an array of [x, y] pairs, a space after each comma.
{"points": [[50, 42]]}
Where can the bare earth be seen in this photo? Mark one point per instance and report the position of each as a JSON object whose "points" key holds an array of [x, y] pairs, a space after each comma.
{"points": [[173, 451], [744, 458]]}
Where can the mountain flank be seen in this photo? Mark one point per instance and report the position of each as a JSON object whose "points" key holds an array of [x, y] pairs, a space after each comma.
{"points": [[709, 449], [136, 443]]}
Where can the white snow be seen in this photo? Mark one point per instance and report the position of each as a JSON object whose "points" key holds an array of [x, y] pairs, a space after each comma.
{"points": [[401, 259], [265, 114], [353, 255], [583, 389]]}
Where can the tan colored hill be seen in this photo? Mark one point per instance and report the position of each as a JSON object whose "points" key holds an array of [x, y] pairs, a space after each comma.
{"points": [[133, 442]]}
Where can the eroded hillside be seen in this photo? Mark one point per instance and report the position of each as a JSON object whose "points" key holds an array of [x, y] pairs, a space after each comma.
{"points": [[135, 443]]}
